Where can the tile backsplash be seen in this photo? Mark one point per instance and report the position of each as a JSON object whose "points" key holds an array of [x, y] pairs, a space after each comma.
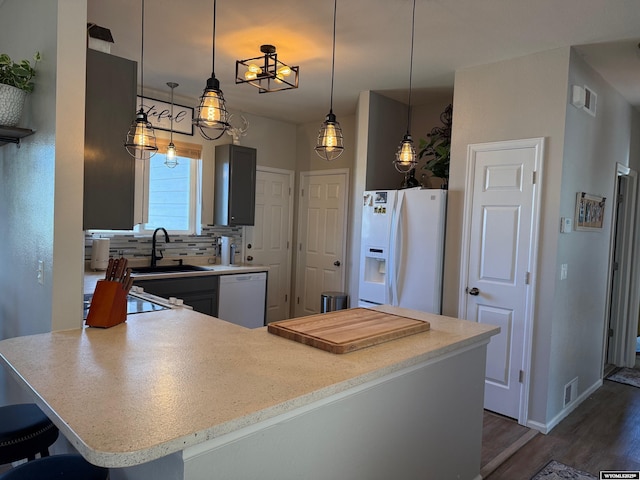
{"points": [[138, 247]]}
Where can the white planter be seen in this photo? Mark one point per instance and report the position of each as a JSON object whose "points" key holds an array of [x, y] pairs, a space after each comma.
{"points": [[11, 105]]}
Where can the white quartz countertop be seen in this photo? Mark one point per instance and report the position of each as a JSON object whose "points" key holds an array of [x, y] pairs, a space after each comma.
{"points": [[167, 380]]}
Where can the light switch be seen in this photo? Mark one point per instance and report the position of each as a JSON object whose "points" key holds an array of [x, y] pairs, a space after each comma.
{"points": [[563, 271], [566, 224]]}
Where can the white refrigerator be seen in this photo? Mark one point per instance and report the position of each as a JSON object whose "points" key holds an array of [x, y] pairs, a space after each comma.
{"points": [[402, 248]]}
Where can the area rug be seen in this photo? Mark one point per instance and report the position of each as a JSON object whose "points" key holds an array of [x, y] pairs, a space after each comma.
{"points": [[628, 376], [559, 471]]}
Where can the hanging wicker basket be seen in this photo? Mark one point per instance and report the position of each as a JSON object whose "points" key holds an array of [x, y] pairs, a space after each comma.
{"points": [[11, 105]]}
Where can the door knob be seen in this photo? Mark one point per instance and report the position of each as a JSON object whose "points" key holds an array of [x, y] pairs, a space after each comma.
{"points": [[249, 258], [337, 263], [473, 291]]}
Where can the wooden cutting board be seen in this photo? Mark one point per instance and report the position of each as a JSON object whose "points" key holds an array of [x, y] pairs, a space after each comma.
{"points": [[344, 331]]}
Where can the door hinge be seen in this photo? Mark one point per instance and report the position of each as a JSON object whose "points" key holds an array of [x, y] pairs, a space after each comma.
{"points": [[286, 298], [287, 244], [615, 266], [620, 198], [300, 247], [611, 332], [302, 192], [527, 278], [289, 191], [298, 300], [521, 376], [534, 177]]}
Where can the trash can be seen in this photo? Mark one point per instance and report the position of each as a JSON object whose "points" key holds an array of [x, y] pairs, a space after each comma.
{"points": [[331, 301]]}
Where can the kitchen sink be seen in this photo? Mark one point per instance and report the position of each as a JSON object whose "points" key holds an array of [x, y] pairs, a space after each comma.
{"points": [[169, 269]]}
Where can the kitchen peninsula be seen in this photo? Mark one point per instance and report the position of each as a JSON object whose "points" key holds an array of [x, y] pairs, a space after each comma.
{"points": [[176, 394]]}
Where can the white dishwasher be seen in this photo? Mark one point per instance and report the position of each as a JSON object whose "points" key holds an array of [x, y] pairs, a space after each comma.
{"points": [[242, 298]]}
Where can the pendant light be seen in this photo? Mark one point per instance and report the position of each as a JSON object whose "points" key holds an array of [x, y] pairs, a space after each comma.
{"points": [[212, 117], [171, 159], [141, 139], [330, 143], [406, 155]]}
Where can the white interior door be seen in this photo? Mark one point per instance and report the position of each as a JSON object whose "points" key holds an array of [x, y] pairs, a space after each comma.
{"points": [[271, 237], [501, 227], [322, 237]]}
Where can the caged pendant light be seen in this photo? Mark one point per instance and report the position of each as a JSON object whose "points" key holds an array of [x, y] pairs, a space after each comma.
{"points": [[141, 139], [171, 158], [211, 114], [330, 142], [406, 159]]}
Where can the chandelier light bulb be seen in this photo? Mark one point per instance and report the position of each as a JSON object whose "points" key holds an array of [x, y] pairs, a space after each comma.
{"points": [[284, 71]]}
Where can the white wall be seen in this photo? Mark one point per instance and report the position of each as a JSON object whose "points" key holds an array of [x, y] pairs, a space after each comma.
{"points": [[41, 182]]}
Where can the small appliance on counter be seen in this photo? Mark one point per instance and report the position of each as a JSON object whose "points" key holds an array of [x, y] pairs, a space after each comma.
{"points": [[99, 253], [227, 250]]}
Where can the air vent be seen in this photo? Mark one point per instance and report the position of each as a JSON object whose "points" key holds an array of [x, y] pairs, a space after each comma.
{"points": [[590, 99], [570, 392], [584, 98]]}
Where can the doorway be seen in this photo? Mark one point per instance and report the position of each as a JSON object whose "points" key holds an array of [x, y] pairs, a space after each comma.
{"points": [[322, 237], [498, 273], [621, 329]]}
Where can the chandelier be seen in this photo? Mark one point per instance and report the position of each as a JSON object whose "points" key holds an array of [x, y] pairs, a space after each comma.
{"points": [[267, 73]]}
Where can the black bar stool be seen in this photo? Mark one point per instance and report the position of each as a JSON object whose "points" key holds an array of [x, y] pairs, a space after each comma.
{"points": [[24, 432], [55, 467]]}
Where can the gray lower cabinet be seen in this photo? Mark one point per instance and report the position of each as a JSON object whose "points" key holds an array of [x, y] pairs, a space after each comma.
{"points": [[109, 171], [199, 292], [235, 185]]}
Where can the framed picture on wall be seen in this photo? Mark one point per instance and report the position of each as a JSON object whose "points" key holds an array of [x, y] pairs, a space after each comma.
{"points": [[589, 212], [159, 115]]}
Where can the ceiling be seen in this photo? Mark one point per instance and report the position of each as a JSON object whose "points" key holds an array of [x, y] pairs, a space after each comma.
{"points": [[373, 39]]}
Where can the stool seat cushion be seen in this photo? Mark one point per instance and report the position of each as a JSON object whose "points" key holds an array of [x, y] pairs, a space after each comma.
{"points": [[24, 431], [67, 467]]}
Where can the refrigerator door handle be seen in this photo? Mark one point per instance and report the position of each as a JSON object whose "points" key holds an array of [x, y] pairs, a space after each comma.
{"points": [[396, 249]]}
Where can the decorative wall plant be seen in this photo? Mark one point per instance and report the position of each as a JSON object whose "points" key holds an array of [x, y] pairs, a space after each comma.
{"points": [[437, 149]]}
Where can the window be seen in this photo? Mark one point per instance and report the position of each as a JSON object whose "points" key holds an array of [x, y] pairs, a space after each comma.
{"points": [[172, 195]]}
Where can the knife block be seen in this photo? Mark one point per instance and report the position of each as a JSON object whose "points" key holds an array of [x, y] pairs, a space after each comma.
{"points": [[108, 305]]}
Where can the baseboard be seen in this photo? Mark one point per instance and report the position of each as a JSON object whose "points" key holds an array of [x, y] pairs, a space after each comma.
{"points": [[547, 427]]}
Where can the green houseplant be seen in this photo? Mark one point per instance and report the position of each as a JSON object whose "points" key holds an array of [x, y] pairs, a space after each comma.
{"points": [[16, 81], [437, 149]]}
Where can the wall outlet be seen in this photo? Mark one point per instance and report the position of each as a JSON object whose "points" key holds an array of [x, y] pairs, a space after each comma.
{"points": [[40, 273]]}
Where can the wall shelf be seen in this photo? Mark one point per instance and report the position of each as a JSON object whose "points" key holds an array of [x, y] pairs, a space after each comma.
{"points": [[13, 134]]}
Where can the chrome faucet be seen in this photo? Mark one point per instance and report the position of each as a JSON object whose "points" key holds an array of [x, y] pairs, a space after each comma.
{"points": [[154, 257]]}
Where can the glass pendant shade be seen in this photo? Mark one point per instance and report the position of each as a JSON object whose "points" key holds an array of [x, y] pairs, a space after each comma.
{"points": [[330, 141], [212, 117], [141, 139], [406, 155], [170, 157]]}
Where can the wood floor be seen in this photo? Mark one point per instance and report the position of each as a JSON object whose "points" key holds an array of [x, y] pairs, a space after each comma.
{"points": [[603, 433]]}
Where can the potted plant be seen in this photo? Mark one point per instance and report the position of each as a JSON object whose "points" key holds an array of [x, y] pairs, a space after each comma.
{"points": [[16, 80], [438, 148]]}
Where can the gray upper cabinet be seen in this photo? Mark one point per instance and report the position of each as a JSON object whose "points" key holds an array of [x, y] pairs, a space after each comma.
{"points": [[109, 171], [235, 185]]}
